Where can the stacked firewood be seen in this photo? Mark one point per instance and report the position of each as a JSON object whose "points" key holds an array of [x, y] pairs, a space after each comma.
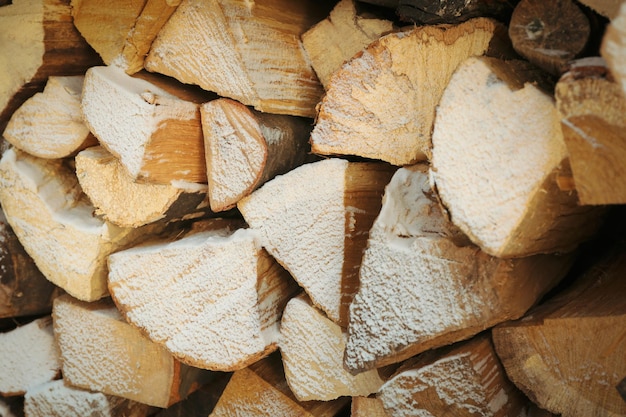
{"points": [[277, 208]]}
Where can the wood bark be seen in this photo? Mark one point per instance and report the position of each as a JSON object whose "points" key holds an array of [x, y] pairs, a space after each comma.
{"points": [[339, 37], [126, 203], [592, 107], [422, 285], [261, 390], [101, 352], [312, 348], [24, 290], [250, 52], [567, 355], [50, 216], [50, 124], [315, 220], [122, 31], [245, 148], [224, 299], [152, 125], [613, 47], [367, 407], [466, 379], [549, 34], [56, 399], [495, 171], [29, 357], [381, 104], [37, 40]]}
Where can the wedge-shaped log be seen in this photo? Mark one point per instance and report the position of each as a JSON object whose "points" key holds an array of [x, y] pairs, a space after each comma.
{"points": [[567, 355], [592, 107], [50, 124], [315, 220], [424, 286], [36, 39], [44, 205], [30, 357], [102, 352], [496, 171], [214, 299], [123, 201], [151, 125], [339, 37], [250, 52], [613, 47], [261, 390], [56, 399], [381, 104], [245, 148], [122, 31], [367, 407], [466, 379], [312, 348], [24, 290]]}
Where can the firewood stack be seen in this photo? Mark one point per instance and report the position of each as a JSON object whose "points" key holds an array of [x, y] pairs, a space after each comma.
{"points": [[277, 208]]}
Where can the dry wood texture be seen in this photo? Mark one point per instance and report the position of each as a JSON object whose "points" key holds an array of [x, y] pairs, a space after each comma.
{"points": [[367, 407], [614, 47], [608, 8]]}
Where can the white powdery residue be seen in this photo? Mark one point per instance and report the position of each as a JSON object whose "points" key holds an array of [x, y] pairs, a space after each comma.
{"points": [[498, 401], [56, 399]]}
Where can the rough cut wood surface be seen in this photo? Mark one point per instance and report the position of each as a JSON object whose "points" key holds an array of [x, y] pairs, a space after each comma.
{"points": [[614, 46], [367, 407], [608, 8]]}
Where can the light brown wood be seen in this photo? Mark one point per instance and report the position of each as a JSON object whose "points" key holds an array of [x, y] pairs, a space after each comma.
{"points": [[613, 47], [122, 31], [245, 148], [37, 40], [50, 124], [567, 355], [592, 107], [339, 37], [53, 220], [261, 390], [367, 407], [423, 285], [381, 104], [57, 399], [312, 348], [151, 125], [101, 352], [201, 402], [315, 220], [496, 172], [251, 52], [29, 357], [466, 379], [608, 8], [124, 202]]}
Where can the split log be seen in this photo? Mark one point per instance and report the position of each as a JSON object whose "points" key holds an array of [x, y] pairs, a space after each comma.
{"points": [[312, 348], [261, 390], [122, 31], [339, 37], [607, 8], [29, 357], [465, 379], [424, 286], [592, 107], [37, 40], [24, 290], [50, 124], [315, 220], [250, 52], [124, 202], [245, 148], [151, 125], [495, 171], [44, 205], [223, 296], [381, 104], [201, 402], [57, 399], [367, 407], [613, 47], [549, 34], [567, 355], [101, 352]]}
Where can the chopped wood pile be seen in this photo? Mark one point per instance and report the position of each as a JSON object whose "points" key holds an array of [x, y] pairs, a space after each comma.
{"points": [[337, 208]]}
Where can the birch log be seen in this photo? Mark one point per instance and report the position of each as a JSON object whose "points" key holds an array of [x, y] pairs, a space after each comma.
{"points": [[381, 104], [496, 172], [315, 220], [424, 286]]}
